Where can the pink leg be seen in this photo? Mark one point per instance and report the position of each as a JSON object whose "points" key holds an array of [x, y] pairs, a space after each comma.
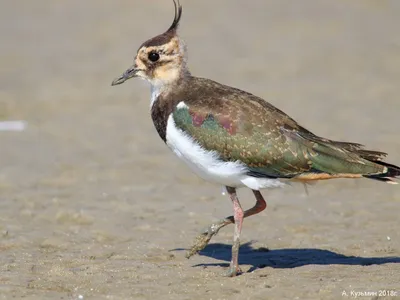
{"points": [[202, 240], [238, 215]]}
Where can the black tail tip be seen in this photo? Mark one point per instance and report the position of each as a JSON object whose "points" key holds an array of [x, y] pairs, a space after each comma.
{"points": [[391, 173]]}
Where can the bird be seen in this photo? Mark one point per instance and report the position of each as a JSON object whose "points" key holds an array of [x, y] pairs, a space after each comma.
{"points": [[233, 138]]}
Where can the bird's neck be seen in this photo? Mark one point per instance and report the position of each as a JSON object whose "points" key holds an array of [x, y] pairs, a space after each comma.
{"points": [[169, 84]]}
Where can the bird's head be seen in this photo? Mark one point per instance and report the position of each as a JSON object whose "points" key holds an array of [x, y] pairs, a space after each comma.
{"points": [[160, 60]]}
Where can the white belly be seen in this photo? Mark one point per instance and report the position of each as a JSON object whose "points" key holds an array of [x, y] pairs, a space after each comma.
{"points": [[207, 164]]}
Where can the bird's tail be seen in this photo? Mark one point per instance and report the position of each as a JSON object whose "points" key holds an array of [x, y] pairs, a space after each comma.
{"points": [[334, 159], [390, 172]]}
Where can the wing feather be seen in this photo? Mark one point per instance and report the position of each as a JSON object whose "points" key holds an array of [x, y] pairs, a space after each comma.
{"points": [[243, 127]]}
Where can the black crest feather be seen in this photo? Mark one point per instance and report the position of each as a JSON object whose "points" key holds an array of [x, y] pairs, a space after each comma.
{"points": [[170, 33], [178, 15]]}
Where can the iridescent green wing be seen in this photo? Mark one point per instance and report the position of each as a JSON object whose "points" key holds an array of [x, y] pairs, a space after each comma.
{"points": [[244, 134], [266, 140]]}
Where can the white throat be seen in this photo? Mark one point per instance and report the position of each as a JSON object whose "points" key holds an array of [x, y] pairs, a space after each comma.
{"points": [[155, 92], [160, 85], [156, 87]]}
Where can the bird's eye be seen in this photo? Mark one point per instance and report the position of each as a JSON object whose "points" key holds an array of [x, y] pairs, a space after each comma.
{"points": [[153, 56]]}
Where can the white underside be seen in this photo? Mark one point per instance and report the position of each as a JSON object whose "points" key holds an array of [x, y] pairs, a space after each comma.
{"points": [[207, 164]]}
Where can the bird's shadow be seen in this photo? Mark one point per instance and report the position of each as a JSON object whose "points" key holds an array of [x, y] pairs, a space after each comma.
{"points": [[286, 258]]}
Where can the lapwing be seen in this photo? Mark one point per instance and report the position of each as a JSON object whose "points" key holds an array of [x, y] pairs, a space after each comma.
{"points": [[235, 139]]}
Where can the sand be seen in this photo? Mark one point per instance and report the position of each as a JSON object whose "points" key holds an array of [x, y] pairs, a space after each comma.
{"points": [[94, 206]]}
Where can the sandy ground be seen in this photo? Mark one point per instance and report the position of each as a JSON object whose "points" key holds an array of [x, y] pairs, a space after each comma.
{"points": [[94, 206]]}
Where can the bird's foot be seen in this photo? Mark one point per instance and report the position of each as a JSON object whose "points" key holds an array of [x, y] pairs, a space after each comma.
{"points": [[199, 244], [233, 271], [201, 241]]}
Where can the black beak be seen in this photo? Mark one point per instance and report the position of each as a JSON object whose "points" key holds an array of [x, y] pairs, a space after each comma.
{"points": [[131, 72]]}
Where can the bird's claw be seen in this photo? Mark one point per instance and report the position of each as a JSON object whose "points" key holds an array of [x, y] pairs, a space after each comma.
{"points": [[202, 240], [233, 271]]}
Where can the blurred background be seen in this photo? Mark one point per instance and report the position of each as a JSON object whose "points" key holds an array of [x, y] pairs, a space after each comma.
{"points": [[91, 200]]}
